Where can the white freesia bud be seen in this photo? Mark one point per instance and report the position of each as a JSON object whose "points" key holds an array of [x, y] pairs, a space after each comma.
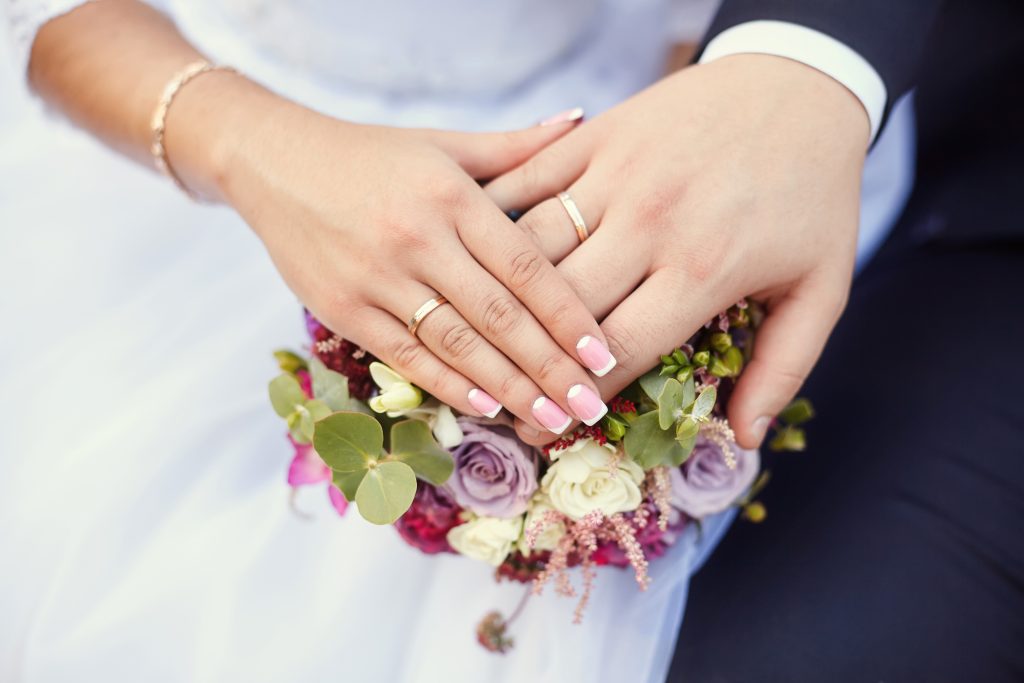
{"points": [[486, 538], [397, 394], [583, 478]]}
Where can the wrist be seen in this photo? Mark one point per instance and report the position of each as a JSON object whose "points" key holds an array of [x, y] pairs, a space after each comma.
{"points": [[216, 124], [798, 96]]}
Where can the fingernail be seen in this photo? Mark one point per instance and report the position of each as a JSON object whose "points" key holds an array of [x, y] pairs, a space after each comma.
{"points": [[567, 116], [484, 403], [760, 426], [595, 356], [587, 405], [550, 415]]}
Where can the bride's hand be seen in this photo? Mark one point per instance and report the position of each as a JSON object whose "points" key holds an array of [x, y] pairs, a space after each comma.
{"points": [[731, 179], [367, 223]]}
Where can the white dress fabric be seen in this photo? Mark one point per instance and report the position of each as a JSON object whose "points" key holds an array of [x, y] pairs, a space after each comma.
{"points": [[145, 533]]}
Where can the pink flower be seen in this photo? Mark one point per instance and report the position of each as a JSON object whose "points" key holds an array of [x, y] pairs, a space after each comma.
{"points": [[652, 540], [307, 468]]}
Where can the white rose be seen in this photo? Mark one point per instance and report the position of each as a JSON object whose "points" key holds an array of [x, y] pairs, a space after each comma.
{"points": [[583, 479], [552, 533], [486, 538]]}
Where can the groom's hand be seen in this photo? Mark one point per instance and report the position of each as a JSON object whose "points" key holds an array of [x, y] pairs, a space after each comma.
{"points": [[736, 178]]}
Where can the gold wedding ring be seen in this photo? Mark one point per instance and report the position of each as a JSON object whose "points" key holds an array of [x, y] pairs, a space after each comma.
{"points": [[423, 311], [574, 215]]}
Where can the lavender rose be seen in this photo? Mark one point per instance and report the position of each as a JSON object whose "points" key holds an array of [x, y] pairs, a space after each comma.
{"points": [[705, 485], [495, 473]]}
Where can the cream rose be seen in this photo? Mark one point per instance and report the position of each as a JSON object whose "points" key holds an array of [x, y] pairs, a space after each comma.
{"points": [[540, 504], [583, 479], [486, 538]]}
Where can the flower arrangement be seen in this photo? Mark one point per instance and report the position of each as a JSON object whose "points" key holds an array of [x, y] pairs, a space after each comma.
{"points": [[617, 493]]}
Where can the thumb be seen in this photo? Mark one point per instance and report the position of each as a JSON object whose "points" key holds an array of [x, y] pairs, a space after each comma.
{"points": [[787, 346], [487, 155]]}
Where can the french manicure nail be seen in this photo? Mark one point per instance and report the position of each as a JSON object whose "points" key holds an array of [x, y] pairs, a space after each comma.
{"points": [[587, 405], [595, 356], [567, 116], [550, 415], [760, 426], [484, 402]]}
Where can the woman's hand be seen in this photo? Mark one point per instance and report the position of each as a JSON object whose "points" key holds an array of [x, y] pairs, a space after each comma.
{"points": [[736, 178], [367, 223]]}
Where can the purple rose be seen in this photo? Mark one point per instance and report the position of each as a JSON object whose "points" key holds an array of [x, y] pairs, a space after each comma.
{"points": [[704, 484], [495, 473]]}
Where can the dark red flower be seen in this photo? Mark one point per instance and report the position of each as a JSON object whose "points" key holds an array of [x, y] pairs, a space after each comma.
{"points": [[426, 523]]}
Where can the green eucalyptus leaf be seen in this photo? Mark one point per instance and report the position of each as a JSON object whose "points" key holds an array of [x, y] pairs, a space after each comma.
{"points": [[348, 442], [348, 483], [687, 429], [306, 423], [289, 361], [669, 403], [386, 492], [705, 403], [689, 392], [684, 447], [329, 386], [797, 412], [652, 383], [414, 444], [650, 445], [285, 394]]}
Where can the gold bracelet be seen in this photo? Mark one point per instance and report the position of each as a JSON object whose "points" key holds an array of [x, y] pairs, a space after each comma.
{"points": [[158, 124]]}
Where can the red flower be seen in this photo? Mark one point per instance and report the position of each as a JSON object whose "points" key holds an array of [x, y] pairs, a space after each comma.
{"points": [[426, 523]]}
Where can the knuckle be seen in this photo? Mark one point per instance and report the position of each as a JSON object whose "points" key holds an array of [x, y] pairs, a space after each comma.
{"points": [[551, 366], [655, 206], [460, 340], [623, 345], [509, 385], [530, 224], [703, 263], [525, 268], [406, 352], [405, 236], [501, 315], [449, 193]]}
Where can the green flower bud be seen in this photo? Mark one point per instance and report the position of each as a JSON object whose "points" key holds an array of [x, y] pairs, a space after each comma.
{"points": [[720, 341], [702, 358], [754, 512]]}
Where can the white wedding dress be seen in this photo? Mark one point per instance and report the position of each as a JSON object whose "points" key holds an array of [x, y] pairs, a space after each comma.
{"points": [[145, 532]]}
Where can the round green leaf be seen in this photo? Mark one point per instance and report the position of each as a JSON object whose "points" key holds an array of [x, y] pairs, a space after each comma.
{"points": [[705, 403], [386, 492], [348, 442], [669, 403], [285, 394], [329, 386], [413, 444], [650, 445]]}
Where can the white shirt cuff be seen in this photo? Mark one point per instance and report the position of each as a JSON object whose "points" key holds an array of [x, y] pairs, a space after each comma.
{"points": [[810, 47]]}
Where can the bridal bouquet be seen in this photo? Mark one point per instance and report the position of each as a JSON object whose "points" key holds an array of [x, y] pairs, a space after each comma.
{"points": [[617, 493]]}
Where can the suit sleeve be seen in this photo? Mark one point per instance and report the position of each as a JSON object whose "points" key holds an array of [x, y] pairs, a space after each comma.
{"points": [[890, 35]]}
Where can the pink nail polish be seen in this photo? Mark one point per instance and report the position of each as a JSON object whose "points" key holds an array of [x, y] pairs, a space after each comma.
{"points": [[550, 415], [595, 356], [484, 402], [567, 116], [587, 405]]}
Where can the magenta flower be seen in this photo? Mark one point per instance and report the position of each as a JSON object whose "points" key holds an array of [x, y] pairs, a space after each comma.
{"points": [[307, 468]]}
